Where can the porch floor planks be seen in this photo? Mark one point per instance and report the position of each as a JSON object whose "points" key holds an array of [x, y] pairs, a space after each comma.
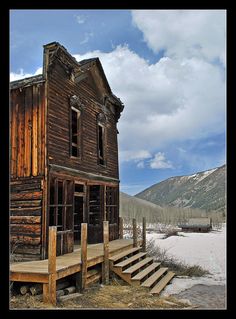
{"points": [[70, 263]]}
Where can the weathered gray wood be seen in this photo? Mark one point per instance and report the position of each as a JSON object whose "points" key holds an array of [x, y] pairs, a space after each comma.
{"points": [[69, 297], [69, 290], [144, 234], [121, 227], [83, 255], [24, 289], [36, 289], [105, 266], [135, 237]]}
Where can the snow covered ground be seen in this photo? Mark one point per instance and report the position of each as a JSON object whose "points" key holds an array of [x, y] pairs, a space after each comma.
{"points": [[205, 249]]}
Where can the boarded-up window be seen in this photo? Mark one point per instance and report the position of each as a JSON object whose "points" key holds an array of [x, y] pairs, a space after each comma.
{"points": [[101, 134]]}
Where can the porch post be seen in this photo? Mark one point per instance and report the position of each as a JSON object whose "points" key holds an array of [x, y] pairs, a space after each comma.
{"points": [[144, 234], [83, 272], [135, 237], [49, 290], [105, 266], [121, 227]]}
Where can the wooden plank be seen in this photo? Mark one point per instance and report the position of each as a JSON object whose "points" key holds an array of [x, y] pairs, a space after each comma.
{"points": [[162, 283], [130, 260], [26, 195], [14, 115], [28, 277], [52, 244], [105, 265], [25, 219], [25, 229], [124, 254], [121, 227], [153, 279], [27, 240], [138, 265], [20, 136], [83, 255], [145, 272], [25, 211], [144, 234], [28, 130], [39, 133], [34, 132], [135, 236]]}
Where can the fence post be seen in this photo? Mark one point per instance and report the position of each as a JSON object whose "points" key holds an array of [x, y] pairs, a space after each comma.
{"points": [[49, 290], [144, 234], [135, 238], [83, 255], [105, 265], [121, 227]]}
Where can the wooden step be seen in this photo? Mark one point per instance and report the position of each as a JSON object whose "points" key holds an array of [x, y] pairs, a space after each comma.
{"points": [[154, 278], [162, 283], [130, 260], [138, 265], [136, 280], [117, 257]]}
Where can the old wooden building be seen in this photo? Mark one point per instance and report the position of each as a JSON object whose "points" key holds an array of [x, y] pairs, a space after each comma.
{"points": [[64, 154], [199, 225]]}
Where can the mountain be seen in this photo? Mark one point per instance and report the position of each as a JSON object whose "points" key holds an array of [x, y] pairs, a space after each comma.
{"points": [[205, 190], [134, 207]]}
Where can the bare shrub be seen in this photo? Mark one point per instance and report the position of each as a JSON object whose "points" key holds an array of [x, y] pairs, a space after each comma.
{"points": [[180, 268]]}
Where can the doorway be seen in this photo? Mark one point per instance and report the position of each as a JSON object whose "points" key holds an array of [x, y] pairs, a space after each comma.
{"points": [[79, 217]]}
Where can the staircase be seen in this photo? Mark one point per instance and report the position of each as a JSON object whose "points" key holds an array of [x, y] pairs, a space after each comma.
{"points": [[137, 269]]}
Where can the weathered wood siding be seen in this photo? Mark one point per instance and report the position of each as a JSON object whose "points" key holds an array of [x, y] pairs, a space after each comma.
{"points": [[27, 133], [26, 217], [60, 89]]}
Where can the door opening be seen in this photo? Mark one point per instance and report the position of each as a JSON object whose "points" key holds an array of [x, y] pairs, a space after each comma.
{"points": [[78, 217]]}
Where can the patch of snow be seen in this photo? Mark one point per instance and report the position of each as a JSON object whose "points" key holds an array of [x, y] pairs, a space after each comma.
{"points": [[207, 250]]}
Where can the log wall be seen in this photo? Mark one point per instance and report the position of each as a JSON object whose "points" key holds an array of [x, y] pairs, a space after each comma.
{"points": [[26, 218]]}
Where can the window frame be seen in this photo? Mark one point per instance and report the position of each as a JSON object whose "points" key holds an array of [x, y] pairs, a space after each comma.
{"points": [[79, 131]]}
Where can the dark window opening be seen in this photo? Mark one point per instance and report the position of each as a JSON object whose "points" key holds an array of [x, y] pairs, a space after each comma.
{"points": [[101, 144], [78, 216], [79, 188], [61, 205], [94, 204], [112, 205], [75, 132]]}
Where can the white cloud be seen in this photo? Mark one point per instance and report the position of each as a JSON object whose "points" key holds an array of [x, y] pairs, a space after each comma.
{"points": [[80, 19], [167, 102], [159, 162], [87, 36], [188, 33], [135, 155], [21, 74]]}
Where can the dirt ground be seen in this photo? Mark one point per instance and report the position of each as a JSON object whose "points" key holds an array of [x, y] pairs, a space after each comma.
{"points": [[113, 296]]}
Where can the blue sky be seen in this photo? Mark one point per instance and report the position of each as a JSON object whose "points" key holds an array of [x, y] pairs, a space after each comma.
{"points": [[167, 66]]}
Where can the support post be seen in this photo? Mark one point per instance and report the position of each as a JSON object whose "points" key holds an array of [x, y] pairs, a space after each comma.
{"points": [[49, 290], [121, 227], [105, 265], [83, 256], [144, 235], [135, 238]]}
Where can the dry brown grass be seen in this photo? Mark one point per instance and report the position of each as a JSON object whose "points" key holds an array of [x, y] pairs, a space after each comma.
{"points": [[116, 295]]}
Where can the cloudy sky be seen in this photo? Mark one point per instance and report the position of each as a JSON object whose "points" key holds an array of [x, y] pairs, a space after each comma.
{"points": [[167, 66]]}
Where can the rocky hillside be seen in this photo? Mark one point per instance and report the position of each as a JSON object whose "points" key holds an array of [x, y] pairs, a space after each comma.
{"points": [[205, 190]]}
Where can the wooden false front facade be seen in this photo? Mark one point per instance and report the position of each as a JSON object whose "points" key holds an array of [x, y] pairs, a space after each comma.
{"points": [[64, 155]]}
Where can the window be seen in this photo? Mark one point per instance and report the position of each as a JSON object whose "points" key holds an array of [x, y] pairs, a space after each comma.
{"points": [[61, 204], [112, 204], [101, 138], [101, 144], [75, 132], [95, 204]]}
